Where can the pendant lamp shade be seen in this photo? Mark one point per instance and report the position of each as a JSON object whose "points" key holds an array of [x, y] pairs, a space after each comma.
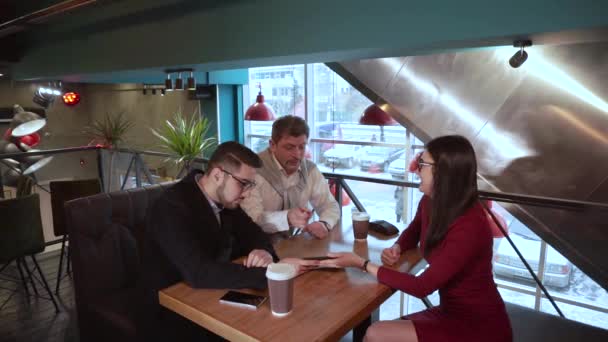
{"points": [[259, 111], [374, 115]]}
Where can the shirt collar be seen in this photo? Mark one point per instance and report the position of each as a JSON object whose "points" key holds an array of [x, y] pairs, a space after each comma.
{"points": [[216, 207], [281, 166]]}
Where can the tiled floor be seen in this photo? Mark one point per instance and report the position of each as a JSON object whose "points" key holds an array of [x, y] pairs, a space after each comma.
{"points": [[24, 318]]}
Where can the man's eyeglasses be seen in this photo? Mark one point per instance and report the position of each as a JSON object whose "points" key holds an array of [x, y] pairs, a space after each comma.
{"points": [[245, 183], [422, 163]]}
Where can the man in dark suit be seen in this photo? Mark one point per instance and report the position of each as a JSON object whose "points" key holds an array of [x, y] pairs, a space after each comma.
{"points": [[194, 231]]}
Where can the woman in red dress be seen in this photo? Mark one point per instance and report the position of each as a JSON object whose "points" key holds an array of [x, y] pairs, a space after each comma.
{"points": [[456, 241]]}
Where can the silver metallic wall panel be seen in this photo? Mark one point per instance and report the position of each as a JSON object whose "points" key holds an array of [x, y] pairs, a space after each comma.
{"points": [[541, 129]]}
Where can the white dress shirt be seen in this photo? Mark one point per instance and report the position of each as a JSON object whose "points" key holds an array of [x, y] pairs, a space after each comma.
{"points": [[265, 206]]}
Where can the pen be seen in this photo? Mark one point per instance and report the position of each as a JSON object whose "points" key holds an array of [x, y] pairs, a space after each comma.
{"points": [[298, 230]]}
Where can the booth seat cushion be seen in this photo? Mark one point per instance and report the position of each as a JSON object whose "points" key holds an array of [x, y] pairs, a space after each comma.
{"points": [[114, 311], [106, 232], [111, 254]]}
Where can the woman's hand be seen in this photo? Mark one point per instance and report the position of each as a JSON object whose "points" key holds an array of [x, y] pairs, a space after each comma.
{"points": [[340, 260], [391, 255], [302, 266]]}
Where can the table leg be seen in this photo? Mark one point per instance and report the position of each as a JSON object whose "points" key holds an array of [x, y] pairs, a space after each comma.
{"points": [[361, 328]]}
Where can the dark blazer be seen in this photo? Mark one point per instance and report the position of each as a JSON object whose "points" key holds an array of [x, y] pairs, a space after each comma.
{"points": [[185, 242]]}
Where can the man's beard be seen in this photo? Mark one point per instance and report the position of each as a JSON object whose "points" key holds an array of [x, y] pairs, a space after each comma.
{"points": [[223, 201]]}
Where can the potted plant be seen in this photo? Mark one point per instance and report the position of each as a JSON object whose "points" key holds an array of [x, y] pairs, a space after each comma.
{"points": [[185, 138], [109, 132]]}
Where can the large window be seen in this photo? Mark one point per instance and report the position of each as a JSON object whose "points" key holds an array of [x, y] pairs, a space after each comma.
{"points": [[338, 144], [577, 295], [283, 90]]}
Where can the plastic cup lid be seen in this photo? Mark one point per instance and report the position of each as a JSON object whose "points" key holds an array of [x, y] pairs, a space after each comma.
{"points": [[280, 271], [361, 216]]}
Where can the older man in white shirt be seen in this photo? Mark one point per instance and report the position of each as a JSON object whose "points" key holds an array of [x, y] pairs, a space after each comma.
{"points": [[287, 184]]}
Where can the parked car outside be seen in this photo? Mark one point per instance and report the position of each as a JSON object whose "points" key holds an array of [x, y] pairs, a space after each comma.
{"points": [[398, 167], [378, 157], [342, 156], [558, 269]]}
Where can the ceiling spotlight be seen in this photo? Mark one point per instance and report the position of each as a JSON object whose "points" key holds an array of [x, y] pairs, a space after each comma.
{"points": [[42, 99], [168, 83], [520, 56], [45, 96], [179, 82], [191, 82], [71, 98]]}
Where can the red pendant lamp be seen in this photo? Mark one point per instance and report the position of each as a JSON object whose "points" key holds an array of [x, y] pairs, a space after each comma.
{"points": [[374, 115], [259, 111]]}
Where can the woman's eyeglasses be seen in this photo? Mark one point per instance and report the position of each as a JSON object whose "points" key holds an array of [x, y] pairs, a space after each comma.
{"points": [[420, 163], [245, 183]]}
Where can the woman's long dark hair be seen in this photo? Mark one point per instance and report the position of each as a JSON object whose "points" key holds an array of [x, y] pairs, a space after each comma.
{"points": [[454, 185]]}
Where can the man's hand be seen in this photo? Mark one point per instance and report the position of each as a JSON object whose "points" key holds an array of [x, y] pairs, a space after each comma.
{"points": [[301, 265], [391, 255], [258, 258], [317, 229], [298, 217]]}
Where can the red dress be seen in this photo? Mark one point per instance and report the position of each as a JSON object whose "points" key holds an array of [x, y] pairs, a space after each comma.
{"points": [[460, 267]]}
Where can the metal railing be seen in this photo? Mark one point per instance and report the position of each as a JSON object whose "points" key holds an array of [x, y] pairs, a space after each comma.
{"points": [[546, 202], [137, 165]]}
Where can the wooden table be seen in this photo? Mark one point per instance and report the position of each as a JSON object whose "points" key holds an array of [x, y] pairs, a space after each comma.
{"points": [[327, 302]]}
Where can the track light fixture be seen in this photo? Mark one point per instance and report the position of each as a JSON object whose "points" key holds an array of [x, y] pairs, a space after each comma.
{"points": [[191, 85], [520, 56], [168, 83], [179, 82], [154, 89]]}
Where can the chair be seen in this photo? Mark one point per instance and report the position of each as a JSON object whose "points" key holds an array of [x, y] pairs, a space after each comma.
{"points": [[106, 232], [61, 192], [21, 235]]}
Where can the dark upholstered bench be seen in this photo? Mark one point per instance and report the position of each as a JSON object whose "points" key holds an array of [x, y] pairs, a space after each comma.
{"points": [[106, 232], [533, 326]]}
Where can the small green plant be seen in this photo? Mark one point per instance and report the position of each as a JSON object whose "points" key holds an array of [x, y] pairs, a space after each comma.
{"points": [[185, 138], [110, 131]]}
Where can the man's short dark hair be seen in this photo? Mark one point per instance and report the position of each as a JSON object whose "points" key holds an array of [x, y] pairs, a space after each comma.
{"points": [[231, 155], [289, 125]]}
